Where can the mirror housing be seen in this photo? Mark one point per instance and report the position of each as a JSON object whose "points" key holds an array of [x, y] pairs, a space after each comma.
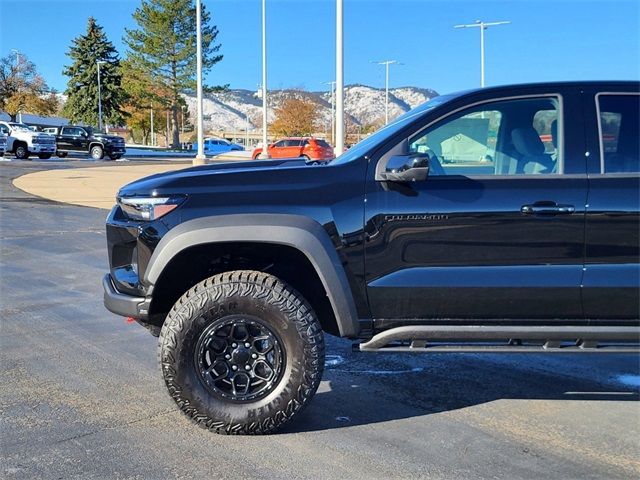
{"points": [[405, 168]]}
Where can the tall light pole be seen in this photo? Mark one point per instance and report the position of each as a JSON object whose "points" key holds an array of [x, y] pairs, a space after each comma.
{"points": [[98, 63], [152, 133], [200, 157], [386, 64], [246, 130], [333, 110], [265, 150], [482, 26], [17, 71], [339, 140]]}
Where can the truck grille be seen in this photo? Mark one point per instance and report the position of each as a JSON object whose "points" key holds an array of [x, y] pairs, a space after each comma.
{"points": [[45, 140]]}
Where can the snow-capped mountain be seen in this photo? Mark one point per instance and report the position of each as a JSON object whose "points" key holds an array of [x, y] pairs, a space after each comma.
{"points": [[237, 109]]}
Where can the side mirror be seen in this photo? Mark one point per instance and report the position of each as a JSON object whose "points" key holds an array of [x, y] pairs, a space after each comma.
{"points": [[405, 168]]}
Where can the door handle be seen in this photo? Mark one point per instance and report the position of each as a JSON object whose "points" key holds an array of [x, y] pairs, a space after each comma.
{"points": [[547, 208]]}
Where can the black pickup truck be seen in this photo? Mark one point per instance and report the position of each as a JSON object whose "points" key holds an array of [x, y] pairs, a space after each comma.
{"points": [[496, 220], [76, 139]]}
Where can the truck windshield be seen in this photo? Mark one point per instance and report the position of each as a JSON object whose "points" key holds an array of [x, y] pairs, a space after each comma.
{"points": [[364, 146]]}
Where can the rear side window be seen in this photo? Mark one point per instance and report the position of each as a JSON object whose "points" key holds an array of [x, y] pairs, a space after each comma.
{"points": [[619, 124], [322, 143]]}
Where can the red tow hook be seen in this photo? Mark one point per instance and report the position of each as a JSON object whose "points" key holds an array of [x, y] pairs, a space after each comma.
{"points": [[130, 320]]}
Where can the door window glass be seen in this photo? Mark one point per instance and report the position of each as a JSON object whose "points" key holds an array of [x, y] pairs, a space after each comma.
{"points": [[619, 126], [511, 137]]}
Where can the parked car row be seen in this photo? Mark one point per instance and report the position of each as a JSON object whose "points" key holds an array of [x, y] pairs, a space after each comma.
{"points": [[24, 141], [75, 139], [309, 148], [214, 146]]}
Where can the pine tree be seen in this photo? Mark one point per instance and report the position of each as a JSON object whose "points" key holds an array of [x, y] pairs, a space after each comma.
{"points": [[163, 47], [82, 89]]}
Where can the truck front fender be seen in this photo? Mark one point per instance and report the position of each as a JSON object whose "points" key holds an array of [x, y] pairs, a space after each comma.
{"points": [[302, 233]]}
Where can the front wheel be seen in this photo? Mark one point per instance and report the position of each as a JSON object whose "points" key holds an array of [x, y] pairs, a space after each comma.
{"points": [[97, 153], [21, 152], [241, 353], [61, 154], [115, 157]]}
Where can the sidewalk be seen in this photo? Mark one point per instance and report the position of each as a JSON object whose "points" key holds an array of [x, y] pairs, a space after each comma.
{"points": [[91, 186]]}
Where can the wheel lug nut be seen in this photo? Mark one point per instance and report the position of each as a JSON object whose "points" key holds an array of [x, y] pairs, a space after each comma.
{"points": [[247, 367], [253, 355], [227, 356], [234, 367], [234, 345], [247, 344]]}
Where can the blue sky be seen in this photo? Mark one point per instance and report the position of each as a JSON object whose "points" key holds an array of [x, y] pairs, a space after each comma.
{"points": [[547, 40]]}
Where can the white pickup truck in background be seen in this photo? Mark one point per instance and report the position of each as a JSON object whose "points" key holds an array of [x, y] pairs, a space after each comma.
{"points": [[22, 141]]}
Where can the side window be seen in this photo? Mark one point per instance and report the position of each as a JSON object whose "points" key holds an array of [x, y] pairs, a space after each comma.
{"points": [[66, 131], [618, 129], [280, 144], [510, 137]]}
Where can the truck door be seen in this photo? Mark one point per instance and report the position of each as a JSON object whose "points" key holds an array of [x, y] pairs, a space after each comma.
{"points": [[611, 285], [497, 228], [65, 139]]}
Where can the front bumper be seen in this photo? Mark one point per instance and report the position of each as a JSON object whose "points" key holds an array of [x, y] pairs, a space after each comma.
{"points": [[115, 149], [39, 148], [123, 304]]}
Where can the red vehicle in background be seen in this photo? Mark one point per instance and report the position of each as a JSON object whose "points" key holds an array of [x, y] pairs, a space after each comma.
{"points": [[298, 147]]}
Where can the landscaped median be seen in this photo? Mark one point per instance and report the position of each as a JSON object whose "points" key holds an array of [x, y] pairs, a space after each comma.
{"points": [[91, 186]]}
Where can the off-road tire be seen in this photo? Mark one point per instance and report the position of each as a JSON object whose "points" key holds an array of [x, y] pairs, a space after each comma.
{"points": [[44, 156], [21, 151], [256, 295], [61, 154], [97, 152], [115, 157]]}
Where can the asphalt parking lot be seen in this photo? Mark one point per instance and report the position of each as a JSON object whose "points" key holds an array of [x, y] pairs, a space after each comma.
{"points": [[82, 396]]}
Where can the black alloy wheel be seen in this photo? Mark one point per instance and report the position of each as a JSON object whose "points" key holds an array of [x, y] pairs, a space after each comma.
{"points": [[240, 358]]}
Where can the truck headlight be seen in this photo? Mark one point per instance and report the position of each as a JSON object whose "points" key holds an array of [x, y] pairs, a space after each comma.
{"points": [[149, 208]]}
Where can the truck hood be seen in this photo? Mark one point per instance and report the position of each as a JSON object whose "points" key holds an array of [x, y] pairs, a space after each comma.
{"points": [[183, 181]]}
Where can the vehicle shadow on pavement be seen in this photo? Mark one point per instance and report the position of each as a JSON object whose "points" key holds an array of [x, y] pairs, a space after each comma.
{"points": [[364, 389]]}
